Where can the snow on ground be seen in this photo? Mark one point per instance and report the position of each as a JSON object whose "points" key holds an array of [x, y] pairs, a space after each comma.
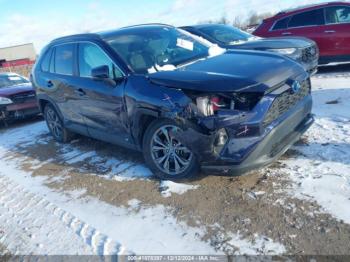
{"points": [[109, 229], [36, 219], [112, 230], [169, 187], [141, 230], [261, 245], [22, 214], [322, 172]]}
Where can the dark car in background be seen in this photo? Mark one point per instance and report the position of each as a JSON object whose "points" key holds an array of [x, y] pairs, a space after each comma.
{"points": [[158, 90], [327, 24], [300, 49], [17, 97]]}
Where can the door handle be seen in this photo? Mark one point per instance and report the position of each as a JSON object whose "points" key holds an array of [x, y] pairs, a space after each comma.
{"points": [[80, 92], [286, 33], [49, 84], [330, 31]]}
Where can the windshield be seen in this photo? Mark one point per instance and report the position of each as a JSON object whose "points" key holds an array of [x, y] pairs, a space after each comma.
{"points": [[147, 50], [225, 34], [11, 80]]}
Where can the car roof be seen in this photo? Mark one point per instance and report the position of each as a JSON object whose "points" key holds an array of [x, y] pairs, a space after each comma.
{"points": [[131, 29], [291, 11], [8, 74], [199, 26], [107, 34]]}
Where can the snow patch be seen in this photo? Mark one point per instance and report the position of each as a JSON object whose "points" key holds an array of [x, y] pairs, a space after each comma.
{"points": [[168, 187], [260, 245], [322, 172]]}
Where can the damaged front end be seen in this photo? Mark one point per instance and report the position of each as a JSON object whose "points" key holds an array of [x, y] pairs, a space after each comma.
{"points": [[4, 102], [244, 130], [204, 121]]}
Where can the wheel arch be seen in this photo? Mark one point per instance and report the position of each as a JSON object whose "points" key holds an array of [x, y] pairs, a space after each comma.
{"points": [[142, 120], [45, 100]]}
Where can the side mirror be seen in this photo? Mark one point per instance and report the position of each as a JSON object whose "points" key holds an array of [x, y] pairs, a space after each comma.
{"points": [[100, 72]]}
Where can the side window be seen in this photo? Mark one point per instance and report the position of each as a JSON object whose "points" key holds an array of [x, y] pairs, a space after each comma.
{"points": [[64, 59], [91, 56], [310, 18], [52, 62], [338, 15], [45, 62], [281, 24]]}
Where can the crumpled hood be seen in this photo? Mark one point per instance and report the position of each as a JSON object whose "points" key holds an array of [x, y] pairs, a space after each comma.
{"points": [[274, 43], [233, 71], [17, 89]]}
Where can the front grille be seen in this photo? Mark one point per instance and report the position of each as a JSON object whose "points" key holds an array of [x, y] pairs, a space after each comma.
{"points": [[309, 54], [286, 101], [23, 97]]}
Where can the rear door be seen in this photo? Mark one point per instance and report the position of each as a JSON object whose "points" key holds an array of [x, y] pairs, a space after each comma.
{"points": [[57, 79], [310, 24], [103, 104], [338, 29]]}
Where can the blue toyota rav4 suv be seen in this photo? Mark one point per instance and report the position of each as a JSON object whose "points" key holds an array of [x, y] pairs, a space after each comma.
{"points": [[184, 104]]}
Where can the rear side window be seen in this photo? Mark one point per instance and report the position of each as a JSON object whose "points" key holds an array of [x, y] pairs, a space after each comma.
{"points": [[52, 62], [310, 18], [338, 15], [281, 24], [45, 64], [64, 59]]}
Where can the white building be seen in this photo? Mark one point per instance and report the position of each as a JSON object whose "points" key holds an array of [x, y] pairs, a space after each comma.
{"points": [[17, 55]]}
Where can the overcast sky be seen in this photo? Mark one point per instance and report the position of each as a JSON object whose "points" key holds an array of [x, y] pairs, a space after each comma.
{"points": [[38, 21]]}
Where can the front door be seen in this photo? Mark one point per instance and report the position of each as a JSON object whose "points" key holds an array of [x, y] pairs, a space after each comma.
{"points": [[103, 104]]}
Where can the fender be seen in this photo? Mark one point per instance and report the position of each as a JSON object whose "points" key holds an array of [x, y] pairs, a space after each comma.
{"points": [[136, 125], [44, 97]]}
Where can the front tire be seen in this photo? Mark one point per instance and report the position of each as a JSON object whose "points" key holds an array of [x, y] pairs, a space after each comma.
{"points": [[165, 155], [55, 125]]}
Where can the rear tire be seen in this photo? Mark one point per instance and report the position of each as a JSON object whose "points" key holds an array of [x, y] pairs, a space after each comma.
{"points": [[166, 157], [55, 125]]}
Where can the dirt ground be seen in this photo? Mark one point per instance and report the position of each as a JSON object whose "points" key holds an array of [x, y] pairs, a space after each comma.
{"points": [[249, 204], [4, 254]]}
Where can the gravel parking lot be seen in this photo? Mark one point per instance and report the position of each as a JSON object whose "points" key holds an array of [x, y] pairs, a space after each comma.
{"points": [[105, 199]]}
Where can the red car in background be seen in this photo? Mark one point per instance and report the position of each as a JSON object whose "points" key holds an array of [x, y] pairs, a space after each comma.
{"points": [[17, 98], [327, 24]]}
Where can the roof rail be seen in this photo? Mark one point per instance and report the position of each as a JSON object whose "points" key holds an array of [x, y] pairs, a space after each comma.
{"points": [[307, 6]]}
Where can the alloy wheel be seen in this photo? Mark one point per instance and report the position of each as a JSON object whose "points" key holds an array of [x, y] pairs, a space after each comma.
{"points": [[54, 123], [168, 153]]}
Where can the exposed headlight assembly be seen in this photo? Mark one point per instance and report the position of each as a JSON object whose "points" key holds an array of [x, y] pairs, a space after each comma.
{"points": [[5, 101], [208, 105], [290, 52]]}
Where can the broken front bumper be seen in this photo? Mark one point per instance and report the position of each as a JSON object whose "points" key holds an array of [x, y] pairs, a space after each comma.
{"points": [[19, 111], [311, 67], [249, 144]]}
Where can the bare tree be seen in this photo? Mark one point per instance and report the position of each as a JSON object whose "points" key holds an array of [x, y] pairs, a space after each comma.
{"points": [[252, 19], [237, 22], [222, 20]]}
